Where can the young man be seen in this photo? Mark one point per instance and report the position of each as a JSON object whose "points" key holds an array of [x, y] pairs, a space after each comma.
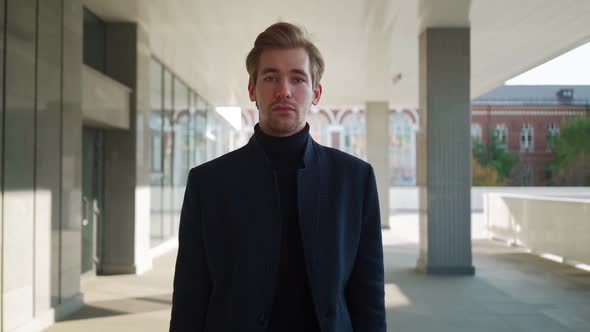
{"points": [[282, 234]]}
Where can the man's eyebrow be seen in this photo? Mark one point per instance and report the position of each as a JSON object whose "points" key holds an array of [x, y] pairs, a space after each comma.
{"points": [[269, 70], [299, 71], [275, 70]]}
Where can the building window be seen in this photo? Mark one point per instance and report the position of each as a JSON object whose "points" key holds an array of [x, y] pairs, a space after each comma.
{"points": [[501, 132], [552, 132], [354, 135], [565, 96], [94, 42], [402, 150], [156, 154], [526, 138], [476, 131]]}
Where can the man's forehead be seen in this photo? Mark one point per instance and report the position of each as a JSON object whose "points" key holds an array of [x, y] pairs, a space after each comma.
{"points": [[284, 59]]}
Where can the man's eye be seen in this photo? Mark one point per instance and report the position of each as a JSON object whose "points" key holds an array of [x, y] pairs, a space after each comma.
{"points": [[298, 80], [270, 78]]}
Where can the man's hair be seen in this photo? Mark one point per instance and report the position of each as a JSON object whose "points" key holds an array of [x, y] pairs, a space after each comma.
{"points": [[285, 35]]}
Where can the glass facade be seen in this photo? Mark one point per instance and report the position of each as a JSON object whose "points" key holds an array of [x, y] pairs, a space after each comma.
{"points": [[94, 46], [185, 131]]}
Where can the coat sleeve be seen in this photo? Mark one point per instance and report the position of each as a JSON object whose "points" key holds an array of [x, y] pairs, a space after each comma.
{"points": [[365, 293], [192, 285]]}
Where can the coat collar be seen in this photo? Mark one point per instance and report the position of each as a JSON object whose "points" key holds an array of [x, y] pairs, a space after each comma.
{"points": [[310, 154]]}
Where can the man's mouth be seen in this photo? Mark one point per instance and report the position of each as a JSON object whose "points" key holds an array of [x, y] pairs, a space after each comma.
{"points": [[283, 108]]}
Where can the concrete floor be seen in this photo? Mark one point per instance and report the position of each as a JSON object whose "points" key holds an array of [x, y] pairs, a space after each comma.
{"points": [[511, 291]]}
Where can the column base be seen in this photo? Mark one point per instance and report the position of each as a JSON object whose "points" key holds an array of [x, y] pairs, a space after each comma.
{"points": [[46, 319], [446, 270]]}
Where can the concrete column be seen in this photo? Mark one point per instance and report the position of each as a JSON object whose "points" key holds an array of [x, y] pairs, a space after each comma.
{"points": [[71, 146], [48, 157], [2, 96], [377, 116], [127, 197], [19, 156], [443, 142]]}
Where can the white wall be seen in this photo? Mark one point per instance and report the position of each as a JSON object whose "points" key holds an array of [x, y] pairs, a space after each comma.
{"points": [[545, 225], [405, 199]]}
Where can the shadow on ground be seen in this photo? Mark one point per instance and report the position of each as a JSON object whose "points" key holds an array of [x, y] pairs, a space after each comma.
{"points": [[125, 306]]}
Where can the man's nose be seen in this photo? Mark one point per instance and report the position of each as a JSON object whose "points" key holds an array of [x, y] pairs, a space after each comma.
{"points": [[283, 89]]}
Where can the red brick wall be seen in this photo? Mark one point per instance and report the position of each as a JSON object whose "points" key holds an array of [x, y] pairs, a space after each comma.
{"points": [[540, 157]]}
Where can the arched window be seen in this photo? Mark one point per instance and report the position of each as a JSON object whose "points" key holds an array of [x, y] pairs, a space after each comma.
{"points": [[353, 135], [319, 127], [501, 132], [403, 155], [476, 131], [526, 138]]}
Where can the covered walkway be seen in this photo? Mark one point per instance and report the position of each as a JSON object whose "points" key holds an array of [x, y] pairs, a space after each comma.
{"points": [[511, 291]]}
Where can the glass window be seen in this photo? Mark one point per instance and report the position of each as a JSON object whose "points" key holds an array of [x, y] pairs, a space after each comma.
{"points": [[181, 133], [475, 131], [319, 126], [552, 132], [526, 138], [94, 42], [156, 152], [156, 120], [354, 134], [200, 132], [501, 132], [179, 126], [402, 158]]}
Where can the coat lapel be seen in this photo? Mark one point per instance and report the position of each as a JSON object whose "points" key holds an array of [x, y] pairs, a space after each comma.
{"points": [[265, 240], [309, 192]]}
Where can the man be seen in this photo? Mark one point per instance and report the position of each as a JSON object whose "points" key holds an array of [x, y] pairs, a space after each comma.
{"points": [[282, 234]]}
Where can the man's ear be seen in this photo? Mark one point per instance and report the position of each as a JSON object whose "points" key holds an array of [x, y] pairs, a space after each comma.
{"points": [[317, 94], [251, 92]]}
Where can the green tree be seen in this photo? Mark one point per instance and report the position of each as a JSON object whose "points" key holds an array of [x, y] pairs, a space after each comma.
{"points": [[571, 165], [493, 156], [484, 176]]}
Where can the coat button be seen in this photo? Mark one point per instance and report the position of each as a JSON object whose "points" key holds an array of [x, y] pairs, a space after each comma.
{"points": [[261, 319]]}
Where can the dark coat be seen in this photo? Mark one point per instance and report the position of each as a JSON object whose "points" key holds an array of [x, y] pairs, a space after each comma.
{"points": [[229, 243]]}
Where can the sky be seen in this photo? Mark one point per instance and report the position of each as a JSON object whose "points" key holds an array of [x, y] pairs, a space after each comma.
{"points": [[571, 68]]}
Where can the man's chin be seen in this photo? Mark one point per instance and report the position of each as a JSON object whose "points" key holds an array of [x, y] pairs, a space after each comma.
{"points": [[285, 129]]}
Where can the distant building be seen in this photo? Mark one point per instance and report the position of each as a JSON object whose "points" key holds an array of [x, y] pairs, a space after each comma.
{"points": [[524, 117]]}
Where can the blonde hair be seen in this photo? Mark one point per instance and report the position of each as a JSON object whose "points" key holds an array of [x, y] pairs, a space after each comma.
{"points": [[285, 35]]}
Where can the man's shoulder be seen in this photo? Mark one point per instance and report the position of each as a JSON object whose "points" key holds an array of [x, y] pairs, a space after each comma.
{"points": [[221, 163]]}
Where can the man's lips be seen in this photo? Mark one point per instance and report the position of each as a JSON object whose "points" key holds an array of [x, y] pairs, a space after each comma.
{"points": [[283, 108]]}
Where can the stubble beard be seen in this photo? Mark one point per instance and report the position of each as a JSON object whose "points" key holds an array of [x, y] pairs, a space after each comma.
{"points": [[283, 127]]}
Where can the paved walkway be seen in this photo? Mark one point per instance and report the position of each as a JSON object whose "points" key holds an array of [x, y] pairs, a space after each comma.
{"points": [[511, 291]]}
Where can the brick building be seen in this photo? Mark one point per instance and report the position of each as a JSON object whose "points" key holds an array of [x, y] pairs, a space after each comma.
{"points": [[523, 115], [524, 118]]}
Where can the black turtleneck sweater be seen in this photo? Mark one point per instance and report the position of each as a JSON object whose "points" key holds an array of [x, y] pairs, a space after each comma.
{"points": [[292, 308]]}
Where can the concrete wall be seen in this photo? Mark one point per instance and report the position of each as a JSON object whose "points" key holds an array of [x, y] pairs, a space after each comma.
{"points": [[405, 199], [40, 235], [105, 102], [545, 225]]}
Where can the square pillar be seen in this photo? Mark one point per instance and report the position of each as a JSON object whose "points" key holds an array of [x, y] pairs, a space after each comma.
{"points": [[444, 148], [377, 116], [126, 232]]}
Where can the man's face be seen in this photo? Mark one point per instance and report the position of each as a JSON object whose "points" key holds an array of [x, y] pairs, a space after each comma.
{"points": [[283, 91]]}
